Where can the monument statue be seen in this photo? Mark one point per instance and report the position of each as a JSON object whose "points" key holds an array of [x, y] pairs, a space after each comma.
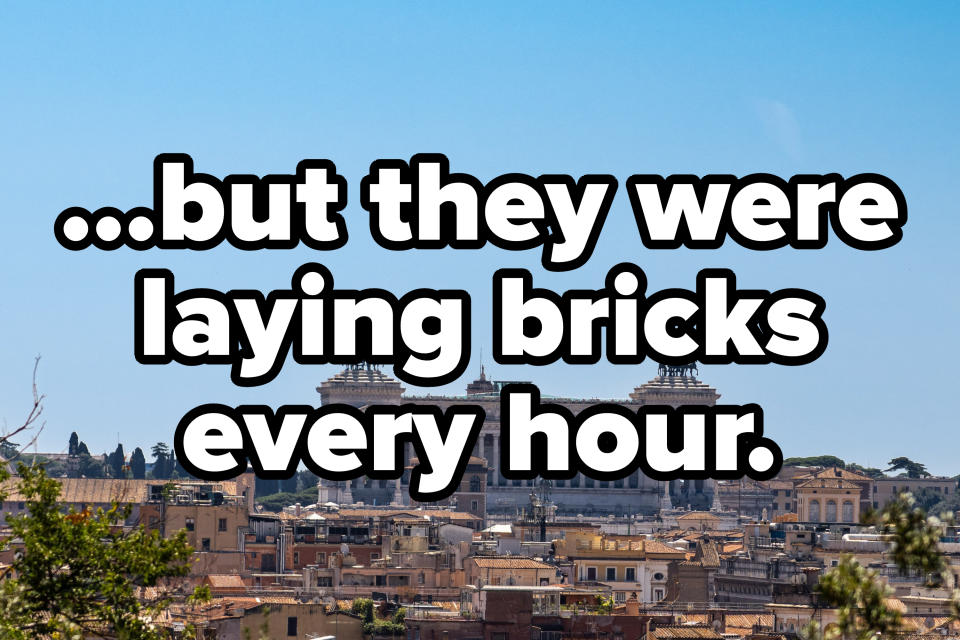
{"points": [[677, 371]]}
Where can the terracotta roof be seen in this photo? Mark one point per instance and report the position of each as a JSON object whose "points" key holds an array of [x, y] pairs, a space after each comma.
{"points": [[104, 490], [778, 484], [225, 581], [684, 632], [837, 472], [485, 562], [748, 620], [896, 605], [655, 546], [828, 483], [107, 490]]}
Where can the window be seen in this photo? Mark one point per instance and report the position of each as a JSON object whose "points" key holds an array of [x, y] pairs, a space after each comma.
{"points": [[847, 511], [658, 594], [500, 636], [474, 505], [205, 544], [475, 484], [373, 556], [658, 576], [831, 510], [631, 574], [189, 524], [591, 573], [292, 626], [814, 511], [787, 493], [296, 558], [222, 524], [611, 573]]}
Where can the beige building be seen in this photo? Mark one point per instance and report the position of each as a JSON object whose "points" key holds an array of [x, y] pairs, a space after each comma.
{"points": [[828, 500], [889, 488], [636, 560], [865, 484], [509, 571]]}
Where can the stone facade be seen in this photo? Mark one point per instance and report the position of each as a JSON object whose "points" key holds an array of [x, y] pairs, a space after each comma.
{"points": [[637, 494]]}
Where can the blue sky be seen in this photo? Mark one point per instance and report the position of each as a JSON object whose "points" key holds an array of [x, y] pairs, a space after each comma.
{"points": [[90, 95]]}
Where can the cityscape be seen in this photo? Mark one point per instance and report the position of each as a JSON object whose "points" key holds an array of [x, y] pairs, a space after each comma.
{"points": [[500, 559]]}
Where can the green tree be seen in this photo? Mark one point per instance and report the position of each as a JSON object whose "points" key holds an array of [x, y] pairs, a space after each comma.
{"points": [[815, 461], [860, 599], [115, 461], [90, 467], [871, 472], [162, 463], [138, 464], [913, 469], [79, 573], [73, 444], [859, 595], [82, 449]]}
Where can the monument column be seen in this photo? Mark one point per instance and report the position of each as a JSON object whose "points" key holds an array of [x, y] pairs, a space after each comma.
{"points": [[496, 456], [666, 503]]}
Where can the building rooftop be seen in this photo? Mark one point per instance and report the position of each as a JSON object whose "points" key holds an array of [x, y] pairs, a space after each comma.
{"points": [[502, 562]]}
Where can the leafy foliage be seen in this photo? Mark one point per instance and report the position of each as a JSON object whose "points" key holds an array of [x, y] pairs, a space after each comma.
{"points": [[859, 595], [277, 501], [362, 607], [870, 472], [913, 469], [915, 537], [860, 599], [79, 573], [138, 464], [816, 461]]}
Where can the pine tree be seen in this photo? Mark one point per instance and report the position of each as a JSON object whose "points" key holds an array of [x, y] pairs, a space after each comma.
{"points": [[138, 464], [115, 462], [74, 443], [162, 466]]}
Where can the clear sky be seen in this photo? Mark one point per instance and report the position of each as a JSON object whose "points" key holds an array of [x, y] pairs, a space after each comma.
{"points": [[89, 94]]}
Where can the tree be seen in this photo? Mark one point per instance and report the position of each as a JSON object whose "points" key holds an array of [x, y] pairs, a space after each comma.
{"points": [[871, 472], [138, 464], [82, 449], [79, 573], [913, 469], [115, 461], [90, 467], [163, 463], [860, 596], [74, 443], [815, 461]]}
